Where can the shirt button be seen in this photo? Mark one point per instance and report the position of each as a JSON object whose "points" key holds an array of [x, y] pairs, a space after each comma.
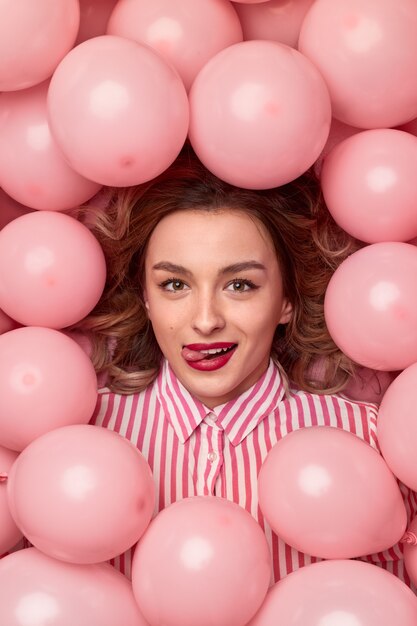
{"points": [[212, 456], [213, 416]]}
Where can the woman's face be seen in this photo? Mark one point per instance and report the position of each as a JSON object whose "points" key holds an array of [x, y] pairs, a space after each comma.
{"points": [[193, 296]]}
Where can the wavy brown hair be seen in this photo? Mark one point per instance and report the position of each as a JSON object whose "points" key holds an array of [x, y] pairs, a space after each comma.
{"points": [[308, 244]]}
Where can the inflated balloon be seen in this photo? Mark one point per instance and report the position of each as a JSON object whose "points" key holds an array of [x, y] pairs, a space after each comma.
{"points": [[10, 209], [338, 132], [85, 343], [94, 17], [410, 550], [82, 339], [52, 269], [365, 385], [33, 169], [185, 33], [46, 381], [338, 593], [277, 20], [271, 119], [203, 560], [37, 590], [10, 534], [368, 385], [6, 323], [371, 306], [397, 426], [369, 187], [81, 494], [34, 37], [366, 51], [118, 111], [410, 127], [328, 493]]}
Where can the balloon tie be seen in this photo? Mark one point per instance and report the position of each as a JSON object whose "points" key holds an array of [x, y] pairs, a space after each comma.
{"points": [[409, 538], [3, 477]]}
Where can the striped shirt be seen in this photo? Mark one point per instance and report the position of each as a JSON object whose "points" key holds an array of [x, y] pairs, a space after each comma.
{"points": [[194, 450]]}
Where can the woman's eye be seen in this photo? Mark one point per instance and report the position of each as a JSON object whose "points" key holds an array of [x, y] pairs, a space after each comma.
{"points": [[240, 285], [177, 285]]}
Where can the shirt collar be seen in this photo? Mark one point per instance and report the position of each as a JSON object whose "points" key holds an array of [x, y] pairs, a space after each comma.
{"points": [[237, 417]]}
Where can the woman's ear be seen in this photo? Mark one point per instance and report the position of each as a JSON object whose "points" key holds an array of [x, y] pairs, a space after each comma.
{"points": [[145, 299], [286, 312]]}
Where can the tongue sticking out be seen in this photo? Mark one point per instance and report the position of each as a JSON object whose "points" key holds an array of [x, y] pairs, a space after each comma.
{"points": [[192, 355], [195, 355]]}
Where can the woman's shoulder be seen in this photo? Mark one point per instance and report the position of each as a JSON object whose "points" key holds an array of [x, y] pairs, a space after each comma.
{"points": [[339, 398], [117, 408], [333, 409], [104, 394]]}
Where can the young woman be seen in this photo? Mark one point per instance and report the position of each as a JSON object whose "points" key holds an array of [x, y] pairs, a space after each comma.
{"points": [[210, 330]]}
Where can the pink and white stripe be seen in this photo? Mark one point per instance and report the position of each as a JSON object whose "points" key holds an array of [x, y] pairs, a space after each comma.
{"points": [[193, 450]]}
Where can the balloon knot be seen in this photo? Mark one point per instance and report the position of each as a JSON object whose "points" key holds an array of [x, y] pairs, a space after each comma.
{"points": [[3, 477], [410, 538]]}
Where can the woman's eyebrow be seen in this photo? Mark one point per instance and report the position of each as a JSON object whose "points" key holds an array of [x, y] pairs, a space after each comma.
{"points": [[229, 269]]}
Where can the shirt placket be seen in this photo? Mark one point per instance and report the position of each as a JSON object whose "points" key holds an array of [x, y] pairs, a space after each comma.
{"points": [[210, 457]]}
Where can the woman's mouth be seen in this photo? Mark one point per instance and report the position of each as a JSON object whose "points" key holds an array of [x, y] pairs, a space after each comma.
{"points": [[208, 360]]}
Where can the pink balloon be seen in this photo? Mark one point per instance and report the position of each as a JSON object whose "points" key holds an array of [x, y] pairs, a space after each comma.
{"points": [[39, 591], [338, 132], [366, 385], [33, 169], [410, 551], [46, 381], [371, 306], [277, 20], [52, 270], [34, 37], [185, 33], [84, 341], [397, 426], [9, 532], [251, 1], [94, 17], [10, 209], [410, 127], [118, 112], [271, 119], [369, 385], [369, 187], [203, 560], [366, 51], [338, 593], [328, 493], [81, 494], [6, 323]]}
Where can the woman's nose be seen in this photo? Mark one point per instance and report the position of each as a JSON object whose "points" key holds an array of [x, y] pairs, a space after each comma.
{"points": [[207, 315]]}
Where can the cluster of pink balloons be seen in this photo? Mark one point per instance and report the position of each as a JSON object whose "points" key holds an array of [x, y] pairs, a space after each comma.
{"points": [[367, 171], [109, 106]]}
